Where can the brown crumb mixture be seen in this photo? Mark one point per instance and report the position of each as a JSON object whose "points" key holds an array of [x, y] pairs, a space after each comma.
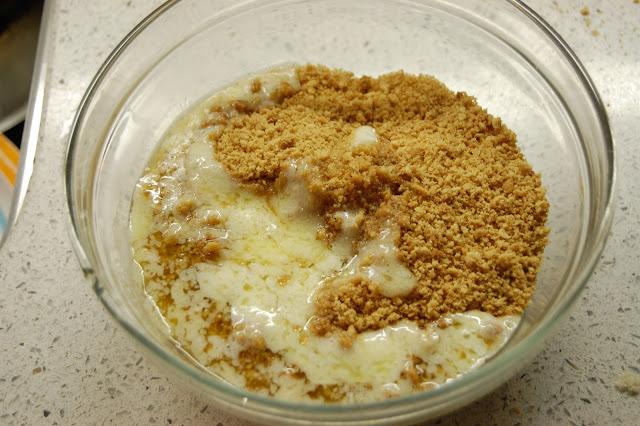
{"points": [[471, 211], [328, 393], [251, 362]]}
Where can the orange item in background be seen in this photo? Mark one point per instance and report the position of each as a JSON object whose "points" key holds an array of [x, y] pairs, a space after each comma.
{"points": [[9, 158]]}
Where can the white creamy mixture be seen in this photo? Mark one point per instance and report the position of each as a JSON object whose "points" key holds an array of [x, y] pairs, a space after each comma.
{"points": [[234, 275]]}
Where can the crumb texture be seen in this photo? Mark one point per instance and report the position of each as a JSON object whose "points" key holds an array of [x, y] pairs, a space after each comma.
{"points": [[469, 209], [628, 383]]}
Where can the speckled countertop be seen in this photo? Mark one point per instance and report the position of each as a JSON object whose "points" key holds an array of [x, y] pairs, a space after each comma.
{"points": [[64, 360]]}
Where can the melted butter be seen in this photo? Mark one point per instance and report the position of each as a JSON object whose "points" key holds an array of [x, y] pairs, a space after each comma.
{"points": [[269, 81], [348, 221], [206, 174], [363, 136], [378, 261], [294, 198]]}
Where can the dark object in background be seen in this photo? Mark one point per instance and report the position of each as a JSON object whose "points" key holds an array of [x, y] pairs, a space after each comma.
{"points": [[15, 133], [10, 10], [19, 25]]}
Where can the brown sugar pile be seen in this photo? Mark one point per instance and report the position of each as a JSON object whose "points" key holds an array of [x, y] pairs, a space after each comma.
{"points": [[470, 210]]}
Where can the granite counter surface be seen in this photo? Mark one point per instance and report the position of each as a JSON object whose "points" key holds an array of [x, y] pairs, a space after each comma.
{"points": [[65, 361]]}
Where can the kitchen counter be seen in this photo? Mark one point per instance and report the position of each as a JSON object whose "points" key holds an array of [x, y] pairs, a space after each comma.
{"points": [[65, 361]]}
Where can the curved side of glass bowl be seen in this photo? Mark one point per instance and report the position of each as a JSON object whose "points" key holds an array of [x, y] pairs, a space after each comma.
{"points": [[78, 199], [603, 184], [79, 181]]}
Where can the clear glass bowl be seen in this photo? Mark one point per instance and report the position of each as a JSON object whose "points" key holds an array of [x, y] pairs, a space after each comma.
{"points": [[498, 51]]}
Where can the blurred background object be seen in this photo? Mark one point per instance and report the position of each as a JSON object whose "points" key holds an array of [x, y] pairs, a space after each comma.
{"points": [[9, 156], [19, 26]]}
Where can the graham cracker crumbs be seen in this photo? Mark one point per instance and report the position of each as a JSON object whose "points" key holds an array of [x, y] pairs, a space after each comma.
{"points": [[251, 363], [470, 209], [414, 372], [219, 323], [629, 383], [328, 393], [585, 11], [256, 85]]}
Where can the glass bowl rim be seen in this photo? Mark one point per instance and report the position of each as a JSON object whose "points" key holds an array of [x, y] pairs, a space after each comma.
{"points": [[541, 331]]}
